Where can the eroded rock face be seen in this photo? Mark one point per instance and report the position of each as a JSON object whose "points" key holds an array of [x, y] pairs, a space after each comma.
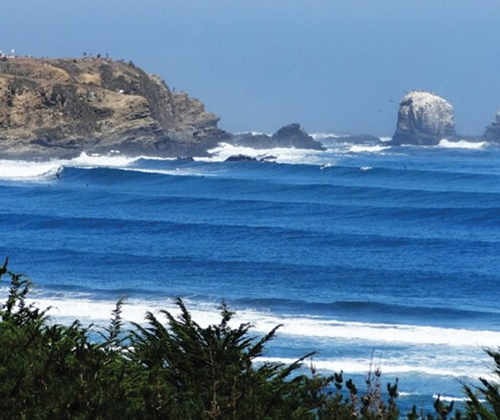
{"points": [[291, 135], [61, 107], [424, 119], [492, 132]]}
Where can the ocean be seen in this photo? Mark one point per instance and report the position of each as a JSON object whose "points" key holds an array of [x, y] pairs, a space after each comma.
{"points": [[370, 255]]}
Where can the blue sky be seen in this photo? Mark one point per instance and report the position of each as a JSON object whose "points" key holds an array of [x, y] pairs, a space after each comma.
{"points": [[338, 65]]}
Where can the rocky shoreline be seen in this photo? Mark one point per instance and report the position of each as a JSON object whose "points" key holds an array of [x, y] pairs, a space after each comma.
{"points": [[63, 107]]}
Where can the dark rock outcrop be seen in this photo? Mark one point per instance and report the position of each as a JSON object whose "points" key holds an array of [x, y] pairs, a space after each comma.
{"points": [[61, 107], [291, 135], [246, 158], [241, 158], [492, 132], [424, 119]]}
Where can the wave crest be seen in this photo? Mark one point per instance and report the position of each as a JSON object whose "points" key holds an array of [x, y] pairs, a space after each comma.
{"points": [[462, 144]]}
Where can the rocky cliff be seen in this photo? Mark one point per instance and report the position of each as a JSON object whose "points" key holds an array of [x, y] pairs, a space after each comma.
{"points": [[61, 107], [492, 132], [424, 119]]}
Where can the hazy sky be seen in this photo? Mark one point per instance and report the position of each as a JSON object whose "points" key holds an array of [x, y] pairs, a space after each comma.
{"points": [[260, 64]]}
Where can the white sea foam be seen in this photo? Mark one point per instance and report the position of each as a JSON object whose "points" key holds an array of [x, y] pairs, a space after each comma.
{"points": [[22, 170], [253, 133], [361, 148], [388, 333], [175, 171], [96, 160], [462, 144], [46, 170], [446, 398], [322, 136], [431, 351], [282, 154], [326, 166], [393, 366], [315, 328]]}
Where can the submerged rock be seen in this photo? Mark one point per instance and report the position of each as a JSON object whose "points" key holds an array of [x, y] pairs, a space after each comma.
{"points": [[246, 158], [492, 132], [291, 135], [424, 118], [61, 107]]}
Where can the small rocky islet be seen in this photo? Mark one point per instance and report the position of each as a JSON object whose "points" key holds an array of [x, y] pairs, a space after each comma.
{"points": [[62, 107]]}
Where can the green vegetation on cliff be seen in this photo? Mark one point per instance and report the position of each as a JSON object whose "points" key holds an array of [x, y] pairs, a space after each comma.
{"points": [[177, 370]]}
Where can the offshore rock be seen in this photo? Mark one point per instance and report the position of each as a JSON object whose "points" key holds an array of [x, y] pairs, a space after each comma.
{"points": [[241, 158], [62, 107], [492, 132], [424, 118], [291, 135]]}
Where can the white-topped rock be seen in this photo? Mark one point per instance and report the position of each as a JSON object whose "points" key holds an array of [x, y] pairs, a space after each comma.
{"points": [[424, 118]]}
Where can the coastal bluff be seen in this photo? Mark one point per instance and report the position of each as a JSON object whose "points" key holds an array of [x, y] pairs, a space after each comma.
{"points": [[61, 107]]}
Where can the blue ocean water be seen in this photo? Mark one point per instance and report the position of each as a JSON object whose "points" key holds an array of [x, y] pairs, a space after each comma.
{"points": [[369, 255]]}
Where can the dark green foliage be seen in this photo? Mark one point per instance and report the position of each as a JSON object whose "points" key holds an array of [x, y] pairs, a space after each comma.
{"points": [[208, 373], [51, 371], [484, 401], [178, 370]]}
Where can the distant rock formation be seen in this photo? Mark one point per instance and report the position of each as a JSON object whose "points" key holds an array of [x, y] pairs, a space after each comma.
{"points": [[61, 107], [424, 119], [492, 132], [246, 158], [241, 158], [291, 135]]}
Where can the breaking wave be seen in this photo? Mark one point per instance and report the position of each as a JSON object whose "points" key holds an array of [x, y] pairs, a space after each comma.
{"points": [[462, 144], [358, 148]]}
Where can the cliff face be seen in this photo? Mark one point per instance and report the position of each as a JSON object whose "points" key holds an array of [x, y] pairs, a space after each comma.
{"points": [[424, 119], [61, 107], [492, 132]]}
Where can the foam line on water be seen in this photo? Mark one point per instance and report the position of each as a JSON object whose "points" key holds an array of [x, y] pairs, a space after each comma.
{"points": [[31, 170], [358, 148], [16, 170], [281, 155], [317, 328], [96, 160], [322, 136], [446, 398], [380, 333], [387, 367], [431, 351], [462, 144]]}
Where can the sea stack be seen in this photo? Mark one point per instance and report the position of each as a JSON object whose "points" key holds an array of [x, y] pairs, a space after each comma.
{"points": [[424, 118], [289, 136], [492, 132]]}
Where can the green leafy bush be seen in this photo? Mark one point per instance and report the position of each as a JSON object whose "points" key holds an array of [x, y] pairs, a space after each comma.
{"points": [[177, 370]]}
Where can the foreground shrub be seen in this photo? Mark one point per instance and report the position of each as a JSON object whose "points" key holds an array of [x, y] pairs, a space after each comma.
{"points": [[176, 370]]}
